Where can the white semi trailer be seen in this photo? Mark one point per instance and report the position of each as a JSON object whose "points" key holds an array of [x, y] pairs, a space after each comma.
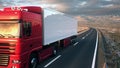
{"points": [[29, 34]]}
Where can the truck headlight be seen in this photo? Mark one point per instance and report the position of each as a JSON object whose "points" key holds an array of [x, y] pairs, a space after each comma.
{"points": [[13, 67], [16, 62]]}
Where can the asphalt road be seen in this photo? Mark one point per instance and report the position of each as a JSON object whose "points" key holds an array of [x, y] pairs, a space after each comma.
{"points": [[78, 55]]}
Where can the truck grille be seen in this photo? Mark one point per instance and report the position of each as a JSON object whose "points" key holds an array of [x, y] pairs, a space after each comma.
{"points": [[5, 50], [4, 58]]}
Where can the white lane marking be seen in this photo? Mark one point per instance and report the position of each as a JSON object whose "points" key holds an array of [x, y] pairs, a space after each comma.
{"points": [[83, 37], [95, 53], [87, 35], [76, 43], [90, 32], [52, 61]]}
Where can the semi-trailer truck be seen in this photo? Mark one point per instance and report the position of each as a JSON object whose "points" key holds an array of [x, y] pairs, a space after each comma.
{"points": [[29, 34]]}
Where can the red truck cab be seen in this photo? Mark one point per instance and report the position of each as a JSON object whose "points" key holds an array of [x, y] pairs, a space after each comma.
{"points": [[20, 34]]}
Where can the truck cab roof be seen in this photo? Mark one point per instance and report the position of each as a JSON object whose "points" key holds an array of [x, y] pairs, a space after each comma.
{"points": [[33, 9]]}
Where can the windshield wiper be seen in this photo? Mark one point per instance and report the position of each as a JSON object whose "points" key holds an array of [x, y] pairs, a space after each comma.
{"points": [[2, 36], [9, 36]]}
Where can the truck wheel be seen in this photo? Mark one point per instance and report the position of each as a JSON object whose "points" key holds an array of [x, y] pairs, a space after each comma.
{"points": [[33, 61], [55, 51]]}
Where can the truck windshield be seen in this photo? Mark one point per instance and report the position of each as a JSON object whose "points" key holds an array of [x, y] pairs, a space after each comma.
{"points": [[9, 30]]}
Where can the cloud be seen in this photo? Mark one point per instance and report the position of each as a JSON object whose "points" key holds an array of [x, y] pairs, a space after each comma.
{"points": [[83, 3], [108, 0], [73, 7], [109, 5]]}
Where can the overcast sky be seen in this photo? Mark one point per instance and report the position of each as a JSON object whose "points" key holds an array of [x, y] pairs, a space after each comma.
{"points": [[73, 7]]}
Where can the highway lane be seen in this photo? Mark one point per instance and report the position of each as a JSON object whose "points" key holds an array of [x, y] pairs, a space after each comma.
{"points": [[77, 55]]}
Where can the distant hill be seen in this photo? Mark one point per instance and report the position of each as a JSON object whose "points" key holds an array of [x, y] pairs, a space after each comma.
{"points": [[107, 21]]}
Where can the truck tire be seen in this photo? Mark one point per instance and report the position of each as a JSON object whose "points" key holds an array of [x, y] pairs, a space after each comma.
{"points": [[55, 50], [33, 61]]}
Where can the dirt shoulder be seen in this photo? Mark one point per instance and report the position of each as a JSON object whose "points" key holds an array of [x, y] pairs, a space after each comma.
{"points": [[100, 56]]}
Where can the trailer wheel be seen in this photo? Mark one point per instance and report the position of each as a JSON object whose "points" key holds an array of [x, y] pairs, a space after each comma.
{"points": [[33, 61], [55, 50]]}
